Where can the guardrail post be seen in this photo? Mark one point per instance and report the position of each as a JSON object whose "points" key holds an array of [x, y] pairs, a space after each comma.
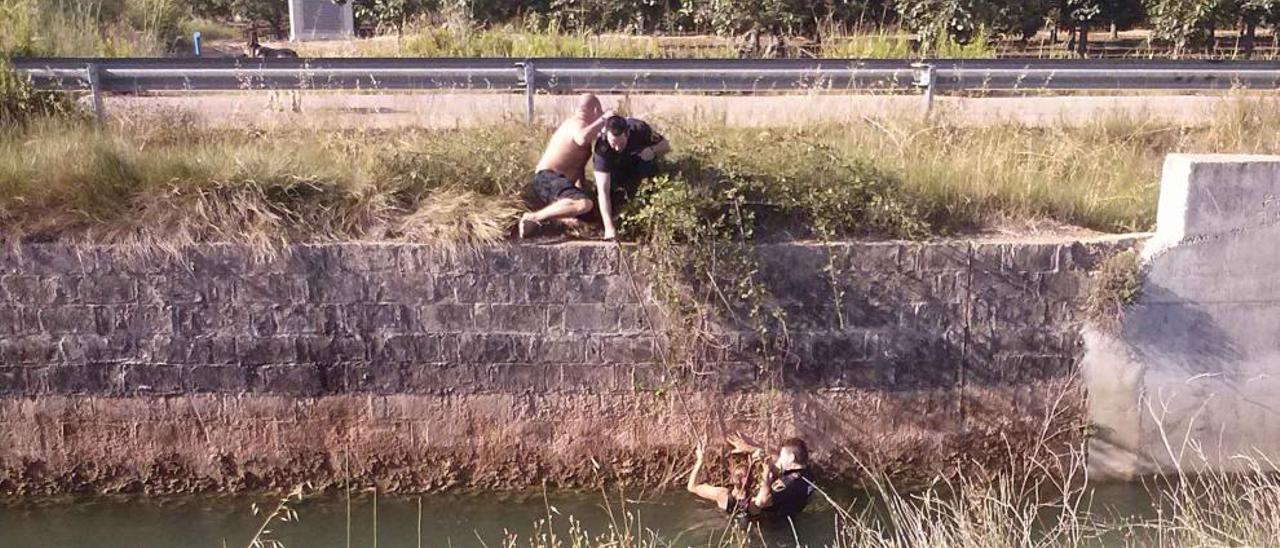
{"points": [[95, 91], [924, 79], [530, 83]]}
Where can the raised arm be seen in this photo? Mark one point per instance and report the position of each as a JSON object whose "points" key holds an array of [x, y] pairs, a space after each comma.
{"points": [[588, 134], [718, 495]]}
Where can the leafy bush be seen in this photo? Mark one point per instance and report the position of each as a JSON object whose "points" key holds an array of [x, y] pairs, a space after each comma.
{"points": [[20, 102]]}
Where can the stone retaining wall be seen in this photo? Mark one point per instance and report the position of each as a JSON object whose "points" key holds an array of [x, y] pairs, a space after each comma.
{"points": [[419, 368]]}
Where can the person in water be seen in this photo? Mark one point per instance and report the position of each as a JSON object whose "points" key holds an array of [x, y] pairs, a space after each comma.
{"points": [[734, 500], [785, 485]]}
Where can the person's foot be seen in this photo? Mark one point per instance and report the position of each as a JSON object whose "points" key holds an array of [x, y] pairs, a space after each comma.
{"points": [[571, 223], [525, 221]]}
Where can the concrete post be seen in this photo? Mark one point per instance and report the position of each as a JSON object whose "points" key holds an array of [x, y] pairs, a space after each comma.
{"points": [[530, 85], [95, 91]]}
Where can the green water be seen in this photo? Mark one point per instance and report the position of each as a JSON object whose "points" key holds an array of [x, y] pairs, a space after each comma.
{"points": [[446, 520]]}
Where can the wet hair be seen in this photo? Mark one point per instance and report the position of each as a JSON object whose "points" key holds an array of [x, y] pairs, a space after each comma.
{"points": [[797, 448], [616, 125]]}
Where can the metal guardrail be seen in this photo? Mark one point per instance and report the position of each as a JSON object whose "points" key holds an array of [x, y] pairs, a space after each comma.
{"points": [[557, 75]]}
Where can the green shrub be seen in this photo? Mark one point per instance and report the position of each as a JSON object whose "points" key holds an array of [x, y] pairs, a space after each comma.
{"points": [[1116, 284], [20, 102]]}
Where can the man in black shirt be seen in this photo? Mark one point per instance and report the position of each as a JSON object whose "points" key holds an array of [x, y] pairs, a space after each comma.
{"points": [[624, 154], [786, 487]]}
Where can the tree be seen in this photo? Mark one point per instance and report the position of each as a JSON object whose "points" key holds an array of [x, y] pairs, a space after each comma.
{"points": [[275, 13], [1186, 23]]}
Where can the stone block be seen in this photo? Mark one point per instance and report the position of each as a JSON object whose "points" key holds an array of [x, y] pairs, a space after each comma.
{"points": [[185, 288], [585, 258], [15, 381], [30, 290], [511, 318], [215, 378], [295, 380], [108, 289], [193, 350], [446, 318], [590, 378], [19, 320], [271, 288], [521, 378], [383, 318], [206, 319], [481, 288], [266, 350], [1033, 257], [219, 260], [309, 260], [55, 260], [875, 257], [139, 321], [407, 288], [337, 287], [148, 378], [598, 318], [951, 256], [101, 379], [586, 289], [569, 350], [406, 348], [623, 350], [365, 258], [330, 350], [438, 378], [377, 376], [71, 319]]}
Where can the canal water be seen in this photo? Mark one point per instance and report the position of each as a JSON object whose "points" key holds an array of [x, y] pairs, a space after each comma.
{"points": [[446, 520]]}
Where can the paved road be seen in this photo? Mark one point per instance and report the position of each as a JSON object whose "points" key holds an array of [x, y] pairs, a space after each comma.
{"points": [[334, 110]]}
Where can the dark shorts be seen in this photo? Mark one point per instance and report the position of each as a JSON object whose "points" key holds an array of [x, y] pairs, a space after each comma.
{"points": [[548, 186]]}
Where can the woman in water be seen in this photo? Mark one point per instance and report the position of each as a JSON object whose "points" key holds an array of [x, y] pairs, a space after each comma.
{"points": [[734, 500]]}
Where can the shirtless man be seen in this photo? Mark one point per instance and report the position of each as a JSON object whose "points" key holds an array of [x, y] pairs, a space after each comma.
{"points": [[556, 189]]}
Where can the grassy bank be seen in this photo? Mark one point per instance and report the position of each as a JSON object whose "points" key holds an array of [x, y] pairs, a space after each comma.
{"points": [[165, 179]]}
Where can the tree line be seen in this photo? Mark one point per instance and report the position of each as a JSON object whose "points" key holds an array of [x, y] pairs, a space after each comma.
{"points": [[1179, 24]]}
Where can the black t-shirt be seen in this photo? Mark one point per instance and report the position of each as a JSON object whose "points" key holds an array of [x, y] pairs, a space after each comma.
{"points": [[790, 494], [639, 136]]}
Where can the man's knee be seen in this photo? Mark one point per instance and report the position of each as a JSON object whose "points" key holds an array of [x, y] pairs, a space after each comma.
{"points": [[582, 206]]}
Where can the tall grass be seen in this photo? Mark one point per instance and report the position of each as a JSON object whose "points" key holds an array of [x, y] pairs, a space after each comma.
{"points": [[164, 177], [890, 43], [110, 28]]}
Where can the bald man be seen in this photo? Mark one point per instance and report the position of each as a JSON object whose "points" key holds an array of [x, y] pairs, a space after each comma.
{"points": [[555, 193]]}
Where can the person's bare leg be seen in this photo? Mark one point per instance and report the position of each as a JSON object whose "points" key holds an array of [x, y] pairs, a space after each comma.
{"points": [[556, 210]]}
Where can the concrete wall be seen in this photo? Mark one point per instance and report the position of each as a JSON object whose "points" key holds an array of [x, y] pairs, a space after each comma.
{"points": [[417, 368], [1192, 380]]}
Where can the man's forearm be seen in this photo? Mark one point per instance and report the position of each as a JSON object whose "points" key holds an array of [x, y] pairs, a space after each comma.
{"points": [[606, 206], [589, 133], [663, 147]]}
